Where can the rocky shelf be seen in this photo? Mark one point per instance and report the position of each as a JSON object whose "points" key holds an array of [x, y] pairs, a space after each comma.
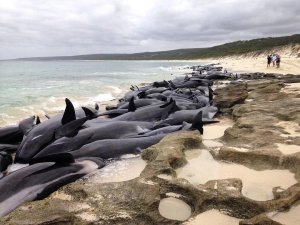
{"points": [[264, 136]]}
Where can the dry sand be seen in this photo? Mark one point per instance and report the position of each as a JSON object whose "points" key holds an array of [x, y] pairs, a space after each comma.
{"points": [[257, 61], [259, 64]]}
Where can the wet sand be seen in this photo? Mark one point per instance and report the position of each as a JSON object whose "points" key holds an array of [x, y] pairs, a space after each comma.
{"points": [[288, 149], [290, 217], [119, 170], [212, 217]]}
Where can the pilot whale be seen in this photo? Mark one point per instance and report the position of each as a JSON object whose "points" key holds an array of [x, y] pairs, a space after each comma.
{"points": [[44, 133], [37, 181]]}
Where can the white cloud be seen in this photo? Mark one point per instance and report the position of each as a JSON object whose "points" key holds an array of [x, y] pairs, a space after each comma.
{"points": [[68, 27]]}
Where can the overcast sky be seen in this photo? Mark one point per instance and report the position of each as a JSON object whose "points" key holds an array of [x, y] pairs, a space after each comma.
{"points": [[70, 27]]}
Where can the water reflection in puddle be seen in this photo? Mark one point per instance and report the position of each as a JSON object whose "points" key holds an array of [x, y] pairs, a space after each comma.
{"points": [[257, 185], [291, 217], [174, 209], [213, 217], [118, 171], [216, 130], [212, 144]]}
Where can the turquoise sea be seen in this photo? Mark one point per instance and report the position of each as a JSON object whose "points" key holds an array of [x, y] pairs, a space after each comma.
{"points": [[39, 87]]}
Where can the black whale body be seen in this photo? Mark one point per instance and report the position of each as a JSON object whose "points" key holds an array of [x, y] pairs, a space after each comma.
{"points": [[69, 145]]}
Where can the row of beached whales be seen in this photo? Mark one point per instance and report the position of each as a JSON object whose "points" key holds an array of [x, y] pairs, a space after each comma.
{"points": [[76, 142]]}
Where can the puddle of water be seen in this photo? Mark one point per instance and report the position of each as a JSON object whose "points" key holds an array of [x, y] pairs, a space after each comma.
{"points": [[288, 149], [257, 185], [290, 127], [216, 130], [213, 217], [174, 209], [118, 171], [291, 217]]}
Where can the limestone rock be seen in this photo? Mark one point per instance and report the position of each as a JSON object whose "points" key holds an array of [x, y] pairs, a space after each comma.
{"points": [[230, 95]]}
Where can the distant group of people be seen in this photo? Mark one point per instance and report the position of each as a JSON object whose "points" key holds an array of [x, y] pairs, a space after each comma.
{"points": [[274, 59]]}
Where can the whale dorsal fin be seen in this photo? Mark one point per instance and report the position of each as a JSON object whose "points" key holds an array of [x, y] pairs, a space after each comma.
{"points": [[88, 113], [70, 129], [26, 125], [69, 114], [97, 106], [197, 122], [210, 94], [168, 103], [38, 121], [172, 85], [131, 107]]}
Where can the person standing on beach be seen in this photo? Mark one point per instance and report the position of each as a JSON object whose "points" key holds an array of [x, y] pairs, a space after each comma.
{"points": [[278, 61], [273, 58], [268, 60]]}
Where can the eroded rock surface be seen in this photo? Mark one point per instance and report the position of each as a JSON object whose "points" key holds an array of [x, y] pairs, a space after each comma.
{"points": [[260, 110]]}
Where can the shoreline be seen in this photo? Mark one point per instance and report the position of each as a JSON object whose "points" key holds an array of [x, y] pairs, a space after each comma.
{"points": [[234, 64]]}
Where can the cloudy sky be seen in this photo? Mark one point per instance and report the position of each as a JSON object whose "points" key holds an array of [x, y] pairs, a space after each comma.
{"points": [[69, 27]]}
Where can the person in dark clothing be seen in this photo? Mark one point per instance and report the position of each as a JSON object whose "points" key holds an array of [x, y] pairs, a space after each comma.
{"points": [[278, 61], [269, 60]]}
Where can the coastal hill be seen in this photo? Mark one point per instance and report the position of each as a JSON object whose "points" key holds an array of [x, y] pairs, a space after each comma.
{"points": [[253, 47]]}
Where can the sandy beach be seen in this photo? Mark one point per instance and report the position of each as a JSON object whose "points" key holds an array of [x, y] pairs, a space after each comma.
{"points": [[257, 61], [259, 64]]}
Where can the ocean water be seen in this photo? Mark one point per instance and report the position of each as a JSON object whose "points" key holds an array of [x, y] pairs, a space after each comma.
{"points": [[40, 87]]}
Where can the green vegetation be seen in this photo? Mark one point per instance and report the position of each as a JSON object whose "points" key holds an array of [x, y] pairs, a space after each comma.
{"points": [[233, 48]]}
